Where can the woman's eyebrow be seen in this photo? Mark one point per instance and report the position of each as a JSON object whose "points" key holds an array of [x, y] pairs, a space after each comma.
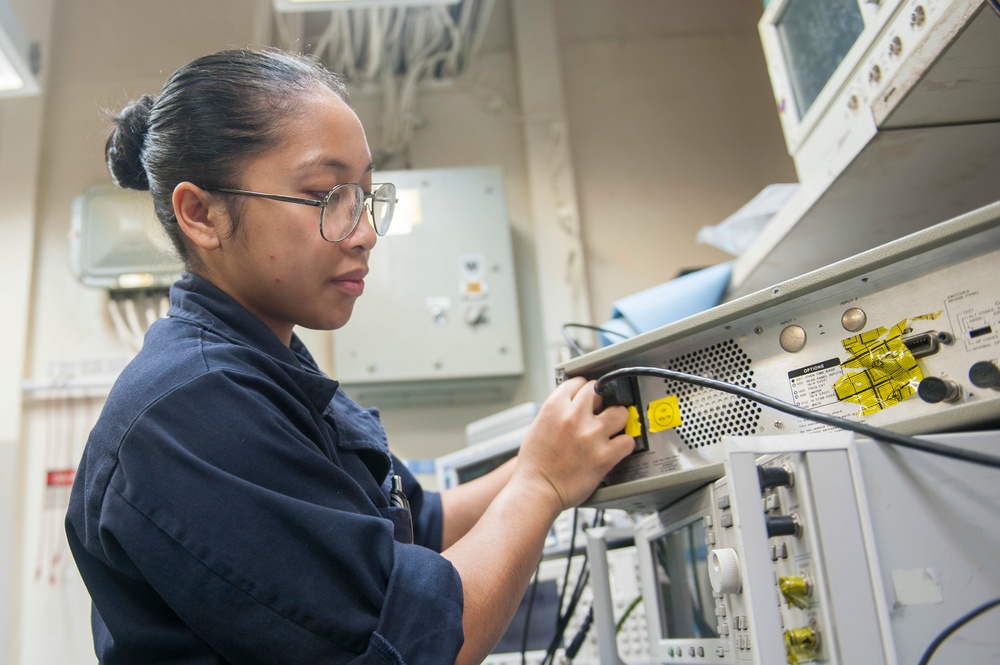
{"points": [[332, 163]]}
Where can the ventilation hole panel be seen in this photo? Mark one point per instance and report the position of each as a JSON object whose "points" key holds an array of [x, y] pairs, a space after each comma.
{"points": [[710, 414]]}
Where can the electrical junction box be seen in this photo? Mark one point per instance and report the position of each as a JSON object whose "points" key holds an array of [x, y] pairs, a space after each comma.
{"points": [[117, 242], [438, 321]]}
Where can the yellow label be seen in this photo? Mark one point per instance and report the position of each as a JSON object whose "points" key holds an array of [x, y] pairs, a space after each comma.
{"points": [[634, 425], [664, 413]]}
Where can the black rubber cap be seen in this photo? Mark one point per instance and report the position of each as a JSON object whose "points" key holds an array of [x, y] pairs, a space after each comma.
{"points": [[933, 389], [985, 374], [781, 525], [772, 476]]}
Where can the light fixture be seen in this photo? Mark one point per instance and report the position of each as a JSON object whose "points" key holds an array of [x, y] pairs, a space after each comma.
{"points": [[326, 5], [18, 57]]}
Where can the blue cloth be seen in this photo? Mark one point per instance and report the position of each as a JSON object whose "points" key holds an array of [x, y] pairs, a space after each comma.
{"points": [[666, 303], [232, 506]]}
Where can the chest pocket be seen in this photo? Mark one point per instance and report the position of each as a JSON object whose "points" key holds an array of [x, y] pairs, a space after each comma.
{"points": [[402, 523]]}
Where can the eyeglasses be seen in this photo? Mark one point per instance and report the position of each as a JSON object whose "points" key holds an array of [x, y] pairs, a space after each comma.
{"points": [[340, 208]]}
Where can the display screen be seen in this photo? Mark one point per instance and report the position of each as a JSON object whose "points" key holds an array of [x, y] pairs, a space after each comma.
{"points": [[815, 37], [464, 474], [544, 615], [687, 606]]}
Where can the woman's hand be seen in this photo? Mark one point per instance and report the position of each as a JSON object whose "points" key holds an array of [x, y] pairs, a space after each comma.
{"points": [[573, 443]]}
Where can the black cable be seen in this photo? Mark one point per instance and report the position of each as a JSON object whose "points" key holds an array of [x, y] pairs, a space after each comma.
{"points": [[577, 349], [569, 564], [581, 584], [995, 5], [791, 409], [581, 635], [575, 345], [557, 631], [943, 635]]}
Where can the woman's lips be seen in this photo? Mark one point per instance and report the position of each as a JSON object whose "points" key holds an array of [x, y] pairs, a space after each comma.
{"points": [[353, 284]]}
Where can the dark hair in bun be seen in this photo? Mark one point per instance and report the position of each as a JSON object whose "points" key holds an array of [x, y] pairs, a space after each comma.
{"points": [[125, 143], [211, 116]]}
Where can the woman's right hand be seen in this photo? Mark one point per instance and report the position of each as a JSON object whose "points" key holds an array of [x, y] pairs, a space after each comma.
{"points": [[573, 443]]}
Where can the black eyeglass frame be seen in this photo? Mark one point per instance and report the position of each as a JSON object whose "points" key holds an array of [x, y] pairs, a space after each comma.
{"points": [[367, 200]]}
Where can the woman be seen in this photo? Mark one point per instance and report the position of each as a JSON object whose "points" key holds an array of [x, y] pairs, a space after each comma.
{"points": [[233, 505]]}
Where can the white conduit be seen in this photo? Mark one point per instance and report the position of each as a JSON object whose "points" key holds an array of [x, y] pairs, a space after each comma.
{"points": [[395, 49]]}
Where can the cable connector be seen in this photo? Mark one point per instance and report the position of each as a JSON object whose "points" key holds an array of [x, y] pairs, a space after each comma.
{"points": [[577, 643], [618, 392]]}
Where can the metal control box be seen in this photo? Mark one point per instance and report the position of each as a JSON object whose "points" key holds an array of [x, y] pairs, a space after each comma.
{"points": [[439, 318], [905, 336], [823, 549]]}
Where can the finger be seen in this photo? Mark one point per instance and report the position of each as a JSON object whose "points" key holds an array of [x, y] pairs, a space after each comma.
{"points": [[614, 417], [572, 386], [625, 445], [598, 400]]}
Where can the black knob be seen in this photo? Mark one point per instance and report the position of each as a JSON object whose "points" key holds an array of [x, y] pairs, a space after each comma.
{"points": [[933, 389], [782, 525], [985, 374], [773, 476]]}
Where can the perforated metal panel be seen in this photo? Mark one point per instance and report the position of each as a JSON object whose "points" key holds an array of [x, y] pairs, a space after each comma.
{"points": [[714, 414]]}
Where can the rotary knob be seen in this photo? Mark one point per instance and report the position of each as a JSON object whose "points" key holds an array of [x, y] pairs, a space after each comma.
{"points": [[724, 570]]}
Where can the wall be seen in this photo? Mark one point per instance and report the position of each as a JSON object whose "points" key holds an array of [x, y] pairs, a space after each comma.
{"points": [[490, 134], [20, 156], [671, 127], [104, 52]]}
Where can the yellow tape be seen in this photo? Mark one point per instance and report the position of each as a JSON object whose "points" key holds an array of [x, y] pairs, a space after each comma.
{"points": [[883, 371], [634, 426], [664, 413]]}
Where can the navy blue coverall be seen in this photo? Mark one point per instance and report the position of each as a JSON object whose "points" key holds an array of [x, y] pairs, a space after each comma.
{"points": [[232, 506]]}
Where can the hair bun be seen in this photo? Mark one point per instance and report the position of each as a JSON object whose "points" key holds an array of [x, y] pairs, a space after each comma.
{"points": [[125, 144]]}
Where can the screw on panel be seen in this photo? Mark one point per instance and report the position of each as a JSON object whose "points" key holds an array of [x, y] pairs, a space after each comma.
{"points": [[895, 46]]}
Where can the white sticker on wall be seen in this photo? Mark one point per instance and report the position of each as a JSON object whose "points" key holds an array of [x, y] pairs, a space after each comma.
{"points": [[472, 284]]}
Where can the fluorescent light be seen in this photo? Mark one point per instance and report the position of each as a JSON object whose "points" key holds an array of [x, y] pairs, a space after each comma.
{"points": [[9, 78], [16, 76], [323, 5]]}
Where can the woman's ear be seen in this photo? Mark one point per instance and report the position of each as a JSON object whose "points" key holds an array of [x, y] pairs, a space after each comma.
{"points": [[199, 216]]}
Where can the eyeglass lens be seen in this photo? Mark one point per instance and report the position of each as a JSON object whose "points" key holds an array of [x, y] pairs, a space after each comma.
{"points": [[344, 206]]}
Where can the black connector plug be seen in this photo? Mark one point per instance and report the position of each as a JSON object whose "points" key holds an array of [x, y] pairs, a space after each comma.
{"points": [[620, 392], [624, 391]]}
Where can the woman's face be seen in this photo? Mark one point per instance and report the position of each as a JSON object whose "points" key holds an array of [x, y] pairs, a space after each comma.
{"points": [[277, 264]]}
